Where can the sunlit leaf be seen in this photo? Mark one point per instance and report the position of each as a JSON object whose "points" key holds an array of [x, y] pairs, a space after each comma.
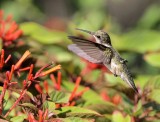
{"points": [[18, 118], [18, 9], [71, 119], [29, 105], [73, 111], [92, 99], [153, 59], [102, 107], [42, 34], [141, 80], [77, 119], [59, 97], [59, 53], [139, 109], [153, 83], [118, 117], [0, 44], [139, 41], [150, 18], [93, 76], [155, 95], [49, 105]]}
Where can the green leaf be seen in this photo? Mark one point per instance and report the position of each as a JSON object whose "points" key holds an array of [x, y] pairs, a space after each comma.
{"points": [[150, 18], [93, 100], [18, 118], [0, 44], [118, 117], [155, 95], [138, 41], [28, 105], [18, 9], [49, 105], [42, 34], [72, 111], [141, 80], [153, 83], [59, 97], [90, 96], [158, 120], [60, 54], [139, 109], [92, 76], [102, 107], [153, 59], [77, 119], [71, 119]]}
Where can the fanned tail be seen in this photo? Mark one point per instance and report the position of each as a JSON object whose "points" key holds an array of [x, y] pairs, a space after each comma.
{"points": [[127, 77]]}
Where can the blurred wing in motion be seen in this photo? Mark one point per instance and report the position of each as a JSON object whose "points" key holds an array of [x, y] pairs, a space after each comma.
{"points": [[88, 50]]}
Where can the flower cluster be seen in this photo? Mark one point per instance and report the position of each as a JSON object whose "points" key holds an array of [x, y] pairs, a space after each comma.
{"points": [[116, 99], [9, 30], [57, 85], [16, 69], [91, 66]]}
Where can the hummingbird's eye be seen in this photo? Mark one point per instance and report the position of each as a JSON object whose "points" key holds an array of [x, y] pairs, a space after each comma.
{"points": [[98, 37]]}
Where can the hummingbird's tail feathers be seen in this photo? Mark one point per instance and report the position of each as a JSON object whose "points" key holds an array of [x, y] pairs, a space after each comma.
{"points": [[126, 76], [89, 56], [132, 85]]}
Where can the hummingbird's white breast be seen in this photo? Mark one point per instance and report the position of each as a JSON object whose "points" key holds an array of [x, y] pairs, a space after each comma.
{"points": [[116, 68]]}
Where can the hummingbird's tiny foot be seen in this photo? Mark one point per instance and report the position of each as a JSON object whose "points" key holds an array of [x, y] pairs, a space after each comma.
{"points": [[123, 61], [115, 75]]}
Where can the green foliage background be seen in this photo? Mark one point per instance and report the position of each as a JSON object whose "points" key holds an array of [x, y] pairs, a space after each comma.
{"points": [[140, 45]]}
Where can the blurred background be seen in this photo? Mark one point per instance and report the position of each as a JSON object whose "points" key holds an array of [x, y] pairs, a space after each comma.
{"points": [[126, 13], [134, 28]]}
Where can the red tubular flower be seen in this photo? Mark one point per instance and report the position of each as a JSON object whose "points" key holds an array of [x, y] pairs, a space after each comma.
{"points": [[38, 88], [54, 80], [8, 30], [91, 66], [105, 96], [2, 60], [21, 60], [40, 116], [75, 88], [116, 99], [59, 79], [31, 118], [45, 114], [45, 83], [53, 69]]}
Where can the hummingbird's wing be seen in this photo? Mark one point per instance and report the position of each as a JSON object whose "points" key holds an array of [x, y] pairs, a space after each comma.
{"points": [[88, 50]]}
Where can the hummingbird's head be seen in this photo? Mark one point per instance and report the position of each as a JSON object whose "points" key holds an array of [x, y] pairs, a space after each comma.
{"points": [[100, 36]]}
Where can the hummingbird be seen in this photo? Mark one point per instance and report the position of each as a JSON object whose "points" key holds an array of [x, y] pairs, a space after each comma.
{"points": [[102, 52]]}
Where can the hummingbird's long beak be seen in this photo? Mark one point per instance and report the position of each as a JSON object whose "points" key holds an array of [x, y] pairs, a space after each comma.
{"points": [[93, 34], [89, 32]]}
